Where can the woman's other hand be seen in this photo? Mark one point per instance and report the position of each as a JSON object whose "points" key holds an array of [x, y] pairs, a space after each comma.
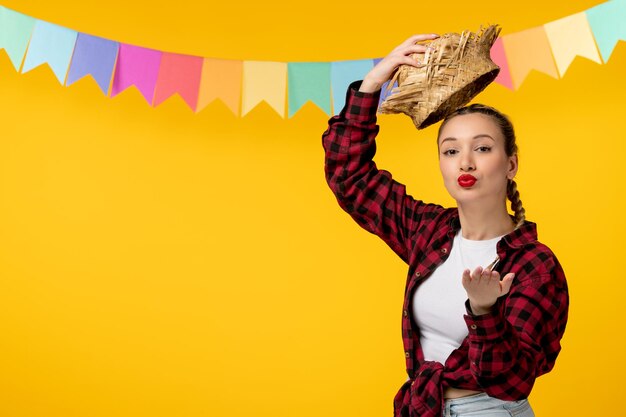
{"points": [[383, 71], [483, 288]]}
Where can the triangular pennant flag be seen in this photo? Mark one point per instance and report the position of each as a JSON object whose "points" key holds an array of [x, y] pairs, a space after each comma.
{"points": [[308, 81], [15, 32], [221, 79], [342, 74], [51, 44], [136, 66], [498, 56], [179, 74], [607, 24], [264, 81], [569, 37], [95, 56], [528, 50]]}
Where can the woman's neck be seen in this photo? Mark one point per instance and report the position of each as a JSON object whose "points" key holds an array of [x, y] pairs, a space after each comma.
{"points": [[481, 223]]}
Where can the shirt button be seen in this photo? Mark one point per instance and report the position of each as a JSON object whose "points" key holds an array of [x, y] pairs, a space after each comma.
{"points": [[406, 353], [406, 313], [417, 274], [473, 327], [444, 250]]}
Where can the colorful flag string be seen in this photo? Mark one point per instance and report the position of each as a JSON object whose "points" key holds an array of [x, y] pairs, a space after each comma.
{"points": [[285, 86]]}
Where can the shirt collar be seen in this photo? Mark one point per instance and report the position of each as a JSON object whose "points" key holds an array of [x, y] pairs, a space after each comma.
{"points": [[523, 235]]}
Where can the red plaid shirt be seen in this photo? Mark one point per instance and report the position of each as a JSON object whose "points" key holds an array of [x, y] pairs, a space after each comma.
{"points": [[505, 350]]}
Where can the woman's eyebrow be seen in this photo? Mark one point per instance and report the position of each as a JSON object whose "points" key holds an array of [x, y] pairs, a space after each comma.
{"points": [[450, 138], [482, 135]]}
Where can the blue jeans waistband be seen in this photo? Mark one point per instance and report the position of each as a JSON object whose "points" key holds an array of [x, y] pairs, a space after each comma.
{"points": [[474, 404]]}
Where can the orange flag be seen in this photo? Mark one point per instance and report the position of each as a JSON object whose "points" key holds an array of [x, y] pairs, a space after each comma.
{"points": [[528, 50], [221, 79]]}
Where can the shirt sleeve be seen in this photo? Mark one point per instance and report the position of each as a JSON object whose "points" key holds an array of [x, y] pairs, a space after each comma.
{"points": [[375, 201], [520, 339]]}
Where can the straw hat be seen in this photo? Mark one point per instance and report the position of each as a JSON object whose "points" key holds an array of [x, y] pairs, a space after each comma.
{"points": [[454, 71]]}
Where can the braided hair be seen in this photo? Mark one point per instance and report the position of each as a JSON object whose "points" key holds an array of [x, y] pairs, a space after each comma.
{"points": [[510, 148]]}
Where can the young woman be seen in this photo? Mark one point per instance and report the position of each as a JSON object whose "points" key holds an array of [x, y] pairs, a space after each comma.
{"points": [[485, 302]]}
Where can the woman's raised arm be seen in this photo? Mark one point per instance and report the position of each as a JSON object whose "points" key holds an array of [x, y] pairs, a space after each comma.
{"points": [[377, 202]]}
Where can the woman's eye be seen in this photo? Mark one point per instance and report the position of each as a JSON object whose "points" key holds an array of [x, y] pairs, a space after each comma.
{"points": [[484, 148], [449, 152]]}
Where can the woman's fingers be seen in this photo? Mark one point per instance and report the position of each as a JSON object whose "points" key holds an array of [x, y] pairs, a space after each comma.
{"points": [[402, 56], [412, 49], [415, 49], [410, 61], [466, 278], [478, 272], [506, 282], [384, 70], [484, 287], [418, 38], [485, 276]]}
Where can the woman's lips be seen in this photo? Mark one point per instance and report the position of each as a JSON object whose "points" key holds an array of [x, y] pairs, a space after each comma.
{"points": [[466, 180]]}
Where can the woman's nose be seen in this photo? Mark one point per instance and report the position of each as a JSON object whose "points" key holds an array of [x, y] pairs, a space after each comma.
{"points": [[467, 163]]}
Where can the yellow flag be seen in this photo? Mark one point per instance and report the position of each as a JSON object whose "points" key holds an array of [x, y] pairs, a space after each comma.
{"points": [[528, 50], [264, 81], [569, 37]]}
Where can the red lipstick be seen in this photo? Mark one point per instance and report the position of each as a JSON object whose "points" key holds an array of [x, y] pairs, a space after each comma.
{"points": [[466, 180]]}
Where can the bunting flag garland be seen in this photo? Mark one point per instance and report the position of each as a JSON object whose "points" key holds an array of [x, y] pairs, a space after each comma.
{"points": [[607, 23], [264, 81], [53, 45], [136, 66], [15, 30], [308, 81], [498, 56], [93, 56], [241, 85], [179, 74], [221, 79], [342, 73], [570, 37], [529, 50]]}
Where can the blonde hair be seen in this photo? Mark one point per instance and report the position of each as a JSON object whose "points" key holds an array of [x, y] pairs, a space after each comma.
{"points": [[510, 147]]}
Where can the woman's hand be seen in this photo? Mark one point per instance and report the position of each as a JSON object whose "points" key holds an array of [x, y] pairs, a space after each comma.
{"points": [[483, 288], [383, 71]]}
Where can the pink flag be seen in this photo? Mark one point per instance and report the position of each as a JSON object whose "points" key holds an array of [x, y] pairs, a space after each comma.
{"points": [[179, 74], [499, 58], [139, 67]]}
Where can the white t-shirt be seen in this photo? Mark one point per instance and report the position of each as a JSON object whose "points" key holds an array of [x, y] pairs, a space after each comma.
{"points": [[438, 304]]}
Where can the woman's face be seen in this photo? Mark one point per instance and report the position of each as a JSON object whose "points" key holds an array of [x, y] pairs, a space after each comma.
{"points": [[473, 160]]}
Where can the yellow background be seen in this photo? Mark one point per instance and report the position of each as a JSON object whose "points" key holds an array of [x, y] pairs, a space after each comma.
{"points": [[156, 262]]}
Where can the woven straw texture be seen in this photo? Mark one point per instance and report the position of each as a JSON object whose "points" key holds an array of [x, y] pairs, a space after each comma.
{"points": [[453, 71]]}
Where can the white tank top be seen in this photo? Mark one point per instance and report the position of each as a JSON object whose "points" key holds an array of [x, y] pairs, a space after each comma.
{"points": [[438, 303]]}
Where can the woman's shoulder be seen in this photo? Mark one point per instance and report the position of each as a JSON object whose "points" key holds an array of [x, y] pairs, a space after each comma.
{"points": [[534, 260], [538, 263]]}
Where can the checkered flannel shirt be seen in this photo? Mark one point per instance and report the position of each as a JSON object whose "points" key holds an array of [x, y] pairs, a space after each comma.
{"points": [[506, 349]]}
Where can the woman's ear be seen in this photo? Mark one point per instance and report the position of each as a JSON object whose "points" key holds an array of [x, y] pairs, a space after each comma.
{"points": [[512, 167]]}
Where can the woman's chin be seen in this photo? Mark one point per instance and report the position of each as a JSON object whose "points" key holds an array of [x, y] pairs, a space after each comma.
{"points": [[467, 196]]}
